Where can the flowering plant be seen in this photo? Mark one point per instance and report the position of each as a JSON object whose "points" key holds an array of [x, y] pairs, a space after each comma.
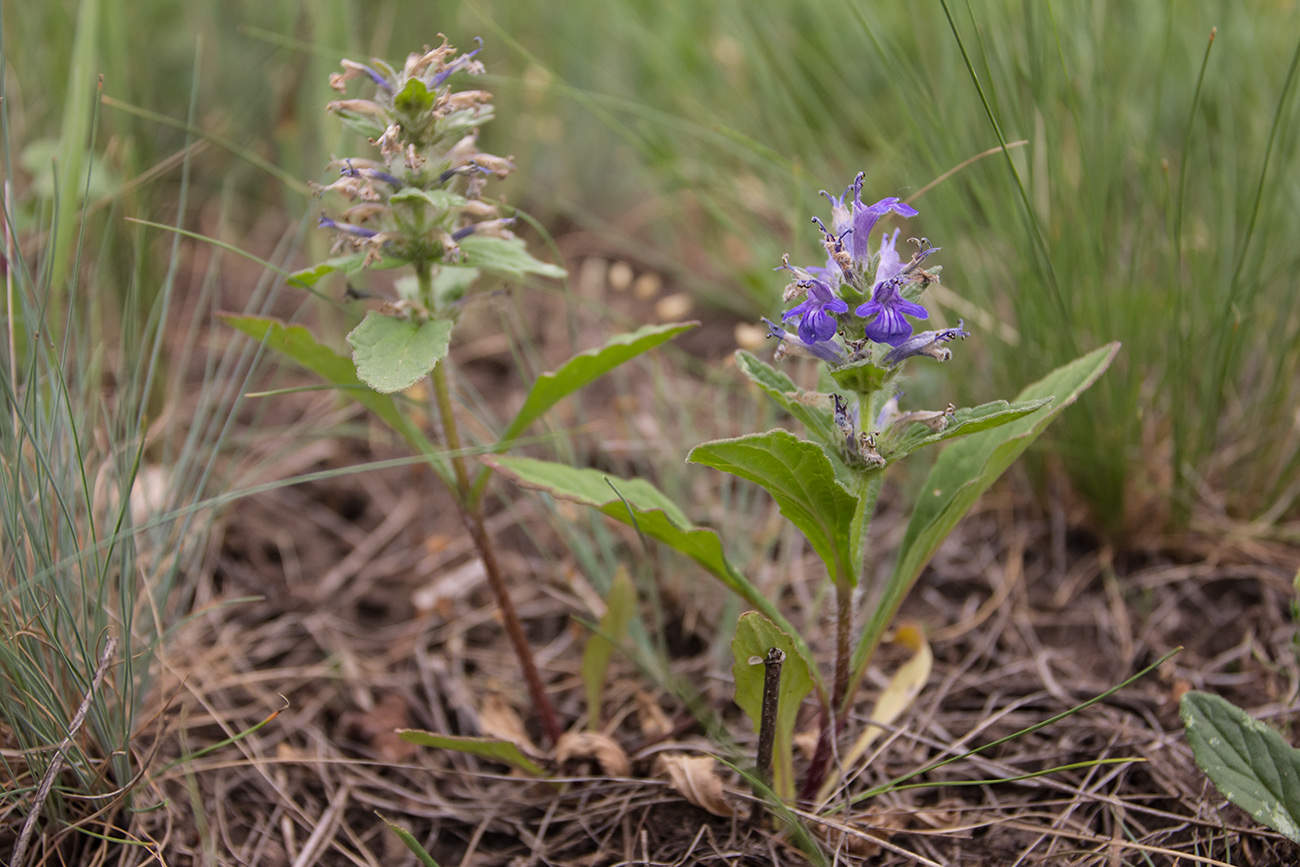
{"points": [[853, 315], [422, 204]]}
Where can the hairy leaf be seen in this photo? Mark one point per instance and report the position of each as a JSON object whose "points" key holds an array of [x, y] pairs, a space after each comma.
{"points": [[1252, 765], [964, 471], [505, 257], [297, 343], [586, 367], [802, 480], [393, 354], [640, 504]]}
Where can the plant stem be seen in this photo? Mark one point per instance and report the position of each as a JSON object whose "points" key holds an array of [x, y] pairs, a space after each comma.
{"points": [[471, 512], [843, 636], [833, 714], [771, 706]]}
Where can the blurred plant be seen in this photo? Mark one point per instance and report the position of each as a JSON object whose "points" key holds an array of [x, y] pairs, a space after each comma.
{"points": [[1252, 765], [852, 314], [421, 204]]}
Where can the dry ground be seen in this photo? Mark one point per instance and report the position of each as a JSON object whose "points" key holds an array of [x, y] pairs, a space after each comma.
{"points": [[333, 612]]}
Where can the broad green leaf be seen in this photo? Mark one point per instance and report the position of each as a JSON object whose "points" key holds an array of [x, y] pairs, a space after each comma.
{"points": [[297, 343], [961, 473], [505, 257], [640, 504], [620, 604], [411, 843], [393, 354], [802, 480], [818, 418], [964, 422], [489, 748], [755, 636], [585, 367], [1252, 765]]}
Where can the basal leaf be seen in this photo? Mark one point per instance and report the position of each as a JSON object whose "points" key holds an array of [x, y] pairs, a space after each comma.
{"points": [[755, 636], [585, 367], [1252, 765], [411, 843], [620, 605], [962, 472], [297, 343], [652, 513], [392, 354], [802, 480], [505, 257], [489, 748]]}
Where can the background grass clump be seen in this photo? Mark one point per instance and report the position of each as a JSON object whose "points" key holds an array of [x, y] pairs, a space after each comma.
{"points": [[1151, 204]]}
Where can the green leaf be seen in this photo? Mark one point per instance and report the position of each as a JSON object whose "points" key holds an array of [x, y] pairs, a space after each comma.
{"points": [[450, 283], [411, 843], [620, 604], [1252, 765], [495, 749], [818, 418], [348, 265], [640, 504], [297, 343], [505, 257], [393, 354], [362, 123], [965, 421], [964, 471], [755, 636], [862, 377], [802, 480], [414, 98], [438, 200], [586, 367]]}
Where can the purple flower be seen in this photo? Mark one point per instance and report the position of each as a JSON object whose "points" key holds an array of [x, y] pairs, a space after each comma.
{"points": [[926, 343], [350, 171], [887, 305], [861, 220], [815, 320], [826, 350], [462, 62]]}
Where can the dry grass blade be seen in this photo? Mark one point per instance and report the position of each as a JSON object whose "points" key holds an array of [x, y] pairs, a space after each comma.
{"points": [[56, 764]]}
